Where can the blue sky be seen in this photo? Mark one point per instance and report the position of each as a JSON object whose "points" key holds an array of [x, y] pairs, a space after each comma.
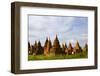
{"points": [[68, 29]]}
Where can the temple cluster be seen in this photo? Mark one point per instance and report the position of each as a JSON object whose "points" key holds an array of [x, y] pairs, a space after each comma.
{"points": [[55, 48]]}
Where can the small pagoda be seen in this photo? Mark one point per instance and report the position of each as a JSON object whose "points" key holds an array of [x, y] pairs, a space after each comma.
{"points": [[77, 48]]}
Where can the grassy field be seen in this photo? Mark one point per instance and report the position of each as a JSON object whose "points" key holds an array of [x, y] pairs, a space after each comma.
{"points": [[50, 57]]}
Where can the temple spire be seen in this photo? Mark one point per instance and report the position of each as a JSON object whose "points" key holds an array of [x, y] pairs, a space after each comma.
{"points": [[56, 37], [48, 38]]}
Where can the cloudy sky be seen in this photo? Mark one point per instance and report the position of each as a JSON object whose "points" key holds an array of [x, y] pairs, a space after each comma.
{"points": [[68, 29]]}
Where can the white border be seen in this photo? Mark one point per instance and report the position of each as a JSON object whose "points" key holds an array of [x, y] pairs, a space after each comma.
{"points": [[25, 64]]}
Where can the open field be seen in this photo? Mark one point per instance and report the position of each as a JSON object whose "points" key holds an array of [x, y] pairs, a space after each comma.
{"points": [[50, 57]]}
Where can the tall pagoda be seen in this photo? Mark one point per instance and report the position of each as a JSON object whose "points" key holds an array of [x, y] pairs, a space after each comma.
{"points": [[47, 47], [56, 49]]}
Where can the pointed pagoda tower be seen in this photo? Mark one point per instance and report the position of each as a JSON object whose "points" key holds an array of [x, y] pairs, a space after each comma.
{"points": [[77, 48], [45, 46], [64, 47], [56, 43], [56, 49], [48, 47], [70, 49]]}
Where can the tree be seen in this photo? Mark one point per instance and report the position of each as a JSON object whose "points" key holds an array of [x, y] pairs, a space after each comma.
{"points": [[29, 49], [39, 49], [28, 44], [85, 47], [34, 48]]}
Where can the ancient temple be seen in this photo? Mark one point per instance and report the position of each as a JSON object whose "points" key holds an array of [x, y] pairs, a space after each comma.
{"points": [[64, 47], [77, 48], [56, 49], [69, 50], [47, 47]]}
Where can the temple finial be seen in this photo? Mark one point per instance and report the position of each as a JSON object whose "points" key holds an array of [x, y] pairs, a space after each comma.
{"points": [[48, 38], [56, 36]]}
